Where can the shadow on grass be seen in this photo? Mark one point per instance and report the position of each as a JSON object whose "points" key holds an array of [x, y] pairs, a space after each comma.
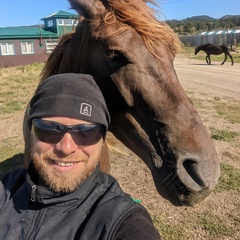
{"points": [[10, 164]]}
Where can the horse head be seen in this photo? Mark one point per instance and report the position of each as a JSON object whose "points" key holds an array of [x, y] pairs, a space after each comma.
{"points": [[196, 50], [130, 54]]}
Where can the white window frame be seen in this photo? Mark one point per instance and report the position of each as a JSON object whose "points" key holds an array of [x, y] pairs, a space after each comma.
{"points": [[60, 21], [27, 47], [50, 45], [67, 22], [9, 48]]}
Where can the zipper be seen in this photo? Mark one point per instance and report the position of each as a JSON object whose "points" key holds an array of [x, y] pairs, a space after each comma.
{"points": [[38, 215], [34, 193]]}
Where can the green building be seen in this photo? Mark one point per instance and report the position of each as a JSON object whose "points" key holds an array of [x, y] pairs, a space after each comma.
{"points": [[27, 44]]}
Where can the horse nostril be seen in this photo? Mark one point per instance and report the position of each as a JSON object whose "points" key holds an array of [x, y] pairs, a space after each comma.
{"points": [[191, 167]]}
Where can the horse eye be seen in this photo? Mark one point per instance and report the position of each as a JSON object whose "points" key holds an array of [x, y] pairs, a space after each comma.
{"points": [[114, 55], [115, 60]]}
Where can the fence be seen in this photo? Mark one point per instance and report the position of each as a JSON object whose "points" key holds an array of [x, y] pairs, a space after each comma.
{"points": [[217, 39]]}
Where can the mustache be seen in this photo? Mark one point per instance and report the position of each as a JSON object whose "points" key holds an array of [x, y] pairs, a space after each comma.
{"points": [[63, 158], [51, 156]]}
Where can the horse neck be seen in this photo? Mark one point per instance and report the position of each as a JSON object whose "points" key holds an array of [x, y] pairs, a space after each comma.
{"points": [[201, 47]]}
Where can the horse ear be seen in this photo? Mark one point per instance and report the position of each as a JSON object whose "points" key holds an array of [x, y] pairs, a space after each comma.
{"points": [[89, 9]]}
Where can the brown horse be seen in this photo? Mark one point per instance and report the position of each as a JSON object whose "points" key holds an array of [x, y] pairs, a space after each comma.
{"points": [[130, 54], [216, 50]]}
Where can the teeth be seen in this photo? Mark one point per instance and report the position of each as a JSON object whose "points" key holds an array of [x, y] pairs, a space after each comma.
{"points": [[64, 164]]}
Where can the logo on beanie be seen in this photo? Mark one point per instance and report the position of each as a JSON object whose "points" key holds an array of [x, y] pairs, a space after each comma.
{"points": [[86, 109]]}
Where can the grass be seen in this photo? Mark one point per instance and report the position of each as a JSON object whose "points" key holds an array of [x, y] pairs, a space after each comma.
{"points": [[10, 154], [229, 179], [198, 103], [169, 232], [213, 225], [223, 135], [230, 112], [17, 87], [216, 227]]}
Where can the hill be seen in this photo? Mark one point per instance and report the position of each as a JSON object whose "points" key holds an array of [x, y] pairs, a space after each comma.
{"points": [[230, 16], [197, 24], [199, 18]]}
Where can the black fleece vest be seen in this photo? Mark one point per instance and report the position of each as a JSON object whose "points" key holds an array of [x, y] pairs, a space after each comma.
{"points": [[94, 211]]}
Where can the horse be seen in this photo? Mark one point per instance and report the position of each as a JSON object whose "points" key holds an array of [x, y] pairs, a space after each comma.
{"points": [[216, 50], [130, 54]]}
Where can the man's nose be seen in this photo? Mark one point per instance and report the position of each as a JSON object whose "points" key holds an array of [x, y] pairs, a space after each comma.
{"points": [[67, 145]]}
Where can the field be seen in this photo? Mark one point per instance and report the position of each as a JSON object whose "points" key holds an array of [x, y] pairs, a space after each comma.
{"points": [[217, 218]]}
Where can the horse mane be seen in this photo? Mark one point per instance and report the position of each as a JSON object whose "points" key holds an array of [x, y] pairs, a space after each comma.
{"points": [[140, 17]]}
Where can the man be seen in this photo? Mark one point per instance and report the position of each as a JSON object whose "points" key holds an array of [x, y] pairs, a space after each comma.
{"points": [[63, 194]]}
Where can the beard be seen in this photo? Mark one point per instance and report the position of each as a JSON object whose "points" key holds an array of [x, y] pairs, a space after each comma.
{"points": [[64, 182]]}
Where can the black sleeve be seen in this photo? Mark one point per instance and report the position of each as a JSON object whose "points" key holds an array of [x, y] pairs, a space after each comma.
{"points": [[137, 225]]}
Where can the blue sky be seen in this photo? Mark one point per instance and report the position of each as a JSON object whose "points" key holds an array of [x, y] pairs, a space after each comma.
{"points": [[29, 12]]}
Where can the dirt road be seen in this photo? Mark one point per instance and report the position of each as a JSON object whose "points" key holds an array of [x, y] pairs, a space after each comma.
{"points": [[216, 79]]}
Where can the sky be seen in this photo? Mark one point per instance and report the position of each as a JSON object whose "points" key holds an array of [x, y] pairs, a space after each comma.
{"points": [[30, 12]]}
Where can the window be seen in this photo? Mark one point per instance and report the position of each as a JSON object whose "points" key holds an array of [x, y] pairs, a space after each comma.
{"points": [[27, 47], [7, 48], [50, 45], [50, 23], [67, 22], [60, 22]]}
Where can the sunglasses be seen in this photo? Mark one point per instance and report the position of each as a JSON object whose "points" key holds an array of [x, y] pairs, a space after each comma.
{"points": [[82, 134]]}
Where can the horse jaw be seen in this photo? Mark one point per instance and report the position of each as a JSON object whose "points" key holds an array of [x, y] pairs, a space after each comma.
{"points": [[182, 176]]}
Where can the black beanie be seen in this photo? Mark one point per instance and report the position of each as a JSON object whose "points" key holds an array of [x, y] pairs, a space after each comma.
{"points": [[69, 95]]}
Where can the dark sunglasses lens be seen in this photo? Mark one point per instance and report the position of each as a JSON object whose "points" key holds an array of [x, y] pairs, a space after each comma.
{"points": [[47, 131], [82, 134], [88, 134]]}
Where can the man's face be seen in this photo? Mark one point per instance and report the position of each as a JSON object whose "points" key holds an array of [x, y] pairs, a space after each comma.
{"points": [[64, 165]]}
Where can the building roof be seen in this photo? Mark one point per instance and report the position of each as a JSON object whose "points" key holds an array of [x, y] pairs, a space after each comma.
{"points": [[25, 32], [34, 31], [221, 32], [61, 14]]}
